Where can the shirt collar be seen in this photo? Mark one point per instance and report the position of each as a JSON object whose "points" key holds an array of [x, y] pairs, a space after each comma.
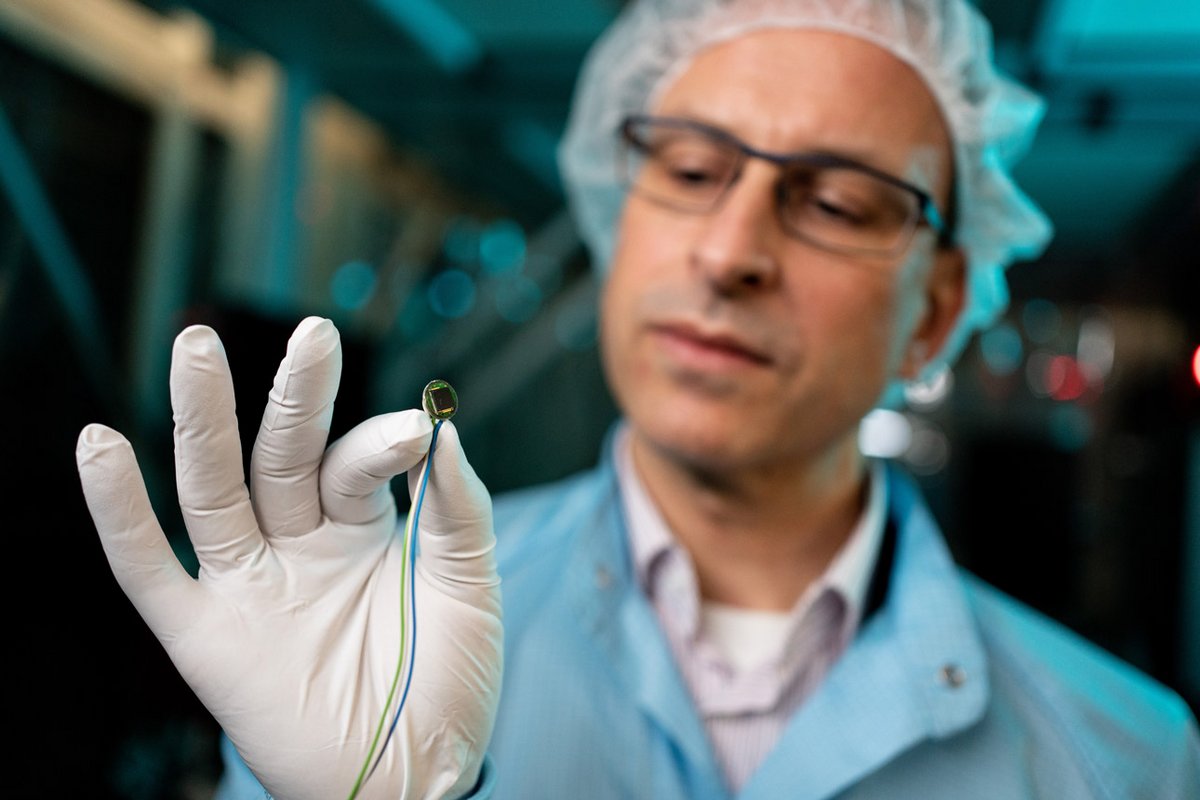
{"points": [[851, 569], [651, 541]]}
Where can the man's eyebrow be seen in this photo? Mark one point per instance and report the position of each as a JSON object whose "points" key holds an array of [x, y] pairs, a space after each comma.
{"points": [[854, 155]]}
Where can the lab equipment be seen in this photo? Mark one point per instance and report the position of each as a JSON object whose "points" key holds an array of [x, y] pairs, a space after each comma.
{"points": [[439, 400]]}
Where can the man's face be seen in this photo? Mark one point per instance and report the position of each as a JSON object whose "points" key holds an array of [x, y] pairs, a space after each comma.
{"points": [[730, 344]]}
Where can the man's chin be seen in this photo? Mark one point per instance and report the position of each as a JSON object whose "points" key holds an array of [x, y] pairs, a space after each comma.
{"points": [[703, 449]]}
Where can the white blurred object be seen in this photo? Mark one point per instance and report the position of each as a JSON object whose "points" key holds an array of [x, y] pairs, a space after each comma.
{"points": [[930, 392], [884, 433]]}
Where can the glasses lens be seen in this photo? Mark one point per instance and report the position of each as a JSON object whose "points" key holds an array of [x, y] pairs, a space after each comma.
{"points": [[846, 209], [677, 165], [837, 206]]}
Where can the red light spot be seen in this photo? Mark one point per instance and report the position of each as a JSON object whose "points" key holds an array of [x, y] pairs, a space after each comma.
{"points": [[1064, 379], [1196, 365]]}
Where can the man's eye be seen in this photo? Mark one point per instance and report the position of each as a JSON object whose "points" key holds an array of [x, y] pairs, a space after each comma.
{"points": [[836, 211], [691, 176]]}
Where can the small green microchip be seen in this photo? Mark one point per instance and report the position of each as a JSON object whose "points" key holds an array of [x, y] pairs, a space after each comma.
{"points": [[439, 400]]}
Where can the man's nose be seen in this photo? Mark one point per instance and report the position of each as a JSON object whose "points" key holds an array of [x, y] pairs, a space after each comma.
{"points": [[736, 247]]}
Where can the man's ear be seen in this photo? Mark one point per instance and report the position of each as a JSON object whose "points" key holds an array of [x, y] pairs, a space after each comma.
{"points": [[945, 295]]}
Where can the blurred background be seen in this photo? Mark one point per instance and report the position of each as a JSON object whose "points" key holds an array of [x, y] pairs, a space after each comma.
{"points": [[389, 164]]}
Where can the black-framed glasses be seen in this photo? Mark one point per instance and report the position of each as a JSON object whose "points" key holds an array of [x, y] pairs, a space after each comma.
{"points": [[827, 200]]}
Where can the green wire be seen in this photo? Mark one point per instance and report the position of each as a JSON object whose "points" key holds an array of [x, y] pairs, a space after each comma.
{"points": [[400, 662]]}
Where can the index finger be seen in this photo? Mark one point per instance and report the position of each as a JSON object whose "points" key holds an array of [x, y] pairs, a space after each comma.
{"points": [[286, 459]]}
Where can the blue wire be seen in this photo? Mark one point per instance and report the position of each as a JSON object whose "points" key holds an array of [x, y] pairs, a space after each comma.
{"points": [[412, 589]]}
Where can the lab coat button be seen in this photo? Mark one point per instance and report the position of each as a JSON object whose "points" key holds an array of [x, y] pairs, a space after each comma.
{"points": [[603, 578], [952, 675]]}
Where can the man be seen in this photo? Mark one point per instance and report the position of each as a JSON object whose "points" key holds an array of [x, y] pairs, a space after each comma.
{"points": [[735, 603]]}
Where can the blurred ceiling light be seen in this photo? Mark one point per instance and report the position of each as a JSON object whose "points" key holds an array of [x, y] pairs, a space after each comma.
{"points": [[1036, 369], [1097, 345], [447, 41], [929, 451], [1064, 380]]}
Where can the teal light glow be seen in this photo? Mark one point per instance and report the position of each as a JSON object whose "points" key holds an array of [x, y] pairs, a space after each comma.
{"points": [[417, 321], [452, 294], [460, 243], [1070, 427], [1002, 349], [353, 285], [517, 298], [443, 37], [502, 247], [1041, 320]]}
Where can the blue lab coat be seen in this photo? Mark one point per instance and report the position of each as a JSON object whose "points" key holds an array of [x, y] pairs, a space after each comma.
{"points": [[950, 689]]}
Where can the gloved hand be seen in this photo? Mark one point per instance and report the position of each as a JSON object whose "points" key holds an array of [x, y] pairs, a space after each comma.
{"points": [[290, 634]]}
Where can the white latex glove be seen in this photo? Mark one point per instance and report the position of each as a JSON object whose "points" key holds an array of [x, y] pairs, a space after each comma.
{"points": [[290, 634]]}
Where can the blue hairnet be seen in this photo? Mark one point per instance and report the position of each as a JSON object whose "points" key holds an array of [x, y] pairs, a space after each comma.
{"points": [[991, 118]]}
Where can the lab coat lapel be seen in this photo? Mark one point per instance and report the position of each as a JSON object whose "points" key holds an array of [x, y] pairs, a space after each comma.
{"points": [[916, 670], [619, 619]]}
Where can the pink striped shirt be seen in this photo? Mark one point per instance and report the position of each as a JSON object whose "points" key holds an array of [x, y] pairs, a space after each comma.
{"points": [[748, 671]]}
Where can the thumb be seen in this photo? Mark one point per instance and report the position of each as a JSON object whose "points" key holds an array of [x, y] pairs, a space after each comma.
{"points": [[457, 541]]}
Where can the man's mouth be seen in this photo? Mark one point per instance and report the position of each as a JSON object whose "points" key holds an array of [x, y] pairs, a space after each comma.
{"points": [[708, 349]]}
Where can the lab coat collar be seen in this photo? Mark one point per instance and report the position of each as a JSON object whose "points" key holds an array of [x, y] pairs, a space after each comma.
{"points": [[916, 671], [619, 619]]}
